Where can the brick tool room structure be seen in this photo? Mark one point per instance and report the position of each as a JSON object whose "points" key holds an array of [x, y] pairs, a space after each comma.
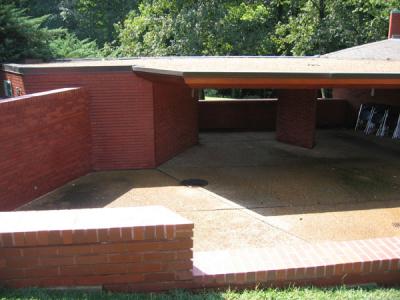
{"points": [[142, 112], [70, 118]]}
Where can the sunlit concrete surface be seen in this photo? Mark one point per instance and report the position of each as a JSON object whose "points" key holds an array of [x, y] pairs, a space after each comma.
{"points": [[261, 193]]}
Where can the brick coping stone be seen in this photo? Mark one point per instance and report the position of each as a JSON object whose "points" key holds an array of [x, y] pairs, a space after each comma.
{"points": [[325, 263], [93, 218]]}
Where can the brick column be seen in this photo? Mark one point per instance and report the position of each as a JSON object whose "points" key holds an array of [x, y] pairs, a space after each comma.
{"points": [[296, 117]]}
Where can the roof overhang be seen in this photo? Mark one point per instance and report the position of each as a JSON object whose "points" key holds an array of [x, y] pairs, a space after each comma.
{"points": [[239, 72], [276, 80]]}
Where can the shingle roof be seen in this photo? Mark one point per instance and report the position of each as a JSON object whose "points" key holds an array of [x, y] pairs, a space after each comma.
{"points": [[383, 50]]}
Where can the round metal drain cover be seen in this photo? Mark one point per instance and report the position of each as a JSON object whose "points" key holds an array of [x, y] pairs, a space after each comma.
{"points": [[194, 182]]}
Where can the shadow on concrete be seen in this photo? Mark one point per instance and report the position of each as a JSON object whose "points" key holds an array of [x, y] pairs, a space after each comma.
{"points": [[99, 189], [345, 171]]}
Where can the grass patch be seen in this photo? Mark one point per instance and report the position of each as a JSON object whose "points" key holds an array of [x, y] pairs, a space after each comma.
{"points": [[341, 293]]}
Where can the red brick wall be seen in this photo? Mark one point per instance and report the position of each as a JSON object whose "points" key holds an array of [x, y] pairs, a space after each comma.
{"points": [[261, 114], [333, 113], [296, 117], [121, 114], [238, 114], [138, 248], [176, 119], [45, 142], [2, 78]]}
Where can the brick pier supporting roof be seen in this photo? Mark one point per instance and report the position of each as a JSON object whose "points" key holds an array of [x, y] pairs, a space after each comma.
{"points": [[296, 117]]}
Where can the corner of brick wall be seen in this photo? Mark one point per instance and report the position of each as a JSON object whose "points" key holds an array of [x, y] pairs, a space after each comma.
{"points": [[296, 117], [119, 249], [175, 119], [2, 78], [121, 113], [45, 142], [17, 82]]}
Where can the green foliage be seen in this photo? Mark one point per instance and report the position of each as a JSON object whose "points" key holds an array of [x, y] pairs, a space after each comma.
{"points": [[189, 27], [230, 27], [94, 19], [38, 8], [309, 293], [67, 45], [335, 25], [22, 37], [212, 27]]}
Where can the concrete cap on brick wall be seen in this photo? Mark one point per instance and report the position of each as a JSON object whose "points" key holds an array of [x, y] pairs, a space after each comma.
{"points": [[95, 218]]}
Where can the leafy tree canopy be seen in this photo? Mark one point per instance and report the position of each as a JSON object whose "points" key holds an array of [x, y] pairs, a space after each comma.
{"points": [[325, 26], [22, 37], [85, 28], [229, 27]]}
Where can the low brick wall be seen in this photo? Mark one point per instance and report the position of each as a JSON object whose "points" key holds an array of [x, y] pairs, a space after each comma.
{"points": [[141, 248], [45, 142], [150, 249], [261, 114], [356, 97], [333, 113], [238, 114], [372, 261]]}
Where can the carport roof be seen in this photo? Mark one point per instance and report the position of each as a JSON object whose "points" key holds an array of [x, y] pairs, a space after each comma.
{"points": [[242, 71]]}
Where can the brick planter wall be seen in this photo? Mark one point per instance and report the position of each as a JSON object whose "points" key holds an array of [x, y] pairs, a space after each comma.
{"points": [[45, 142], [138, 248], [322, 264], [150, 249]]}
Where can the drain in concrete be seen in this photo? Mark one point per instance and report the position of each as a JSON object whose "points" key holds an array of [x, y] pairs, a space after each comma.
{"points": [[194, 182]]}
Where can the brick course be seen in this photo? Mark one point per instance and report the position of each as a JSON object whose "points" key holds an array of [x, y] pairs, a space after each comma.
{"points": [[45, 142], [121, 114], [322, 264], [95, 247], [150, 249], [175, 119]]}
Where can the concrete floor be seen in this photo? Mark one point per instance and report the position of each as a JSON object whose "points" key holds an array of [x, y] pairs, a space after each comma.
{"points": [[261, 193]]}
